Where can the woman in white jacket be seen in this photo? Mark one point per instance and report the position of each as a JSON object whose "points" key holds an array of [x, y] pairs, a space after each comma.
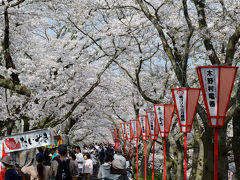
{"points": [[87, 166]]}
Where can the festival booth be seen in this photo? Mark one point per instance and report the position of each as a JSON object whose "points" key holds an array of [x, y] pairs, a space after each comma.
{"points": [[22, 147]]}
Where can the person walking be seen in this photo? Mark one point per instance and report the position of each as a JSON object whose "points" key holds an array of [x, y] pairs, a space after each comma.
{"points": [[118, 171], [80, 160], [119, 156], [37, 171], [63, 168], [87, 166], [10, 173], [128, 166], [104, 170], [94, 159]]}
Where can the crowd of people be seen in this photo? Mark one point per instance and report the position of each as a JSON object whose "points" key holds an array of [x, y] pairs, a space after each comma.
{"points": [[101, 161]]}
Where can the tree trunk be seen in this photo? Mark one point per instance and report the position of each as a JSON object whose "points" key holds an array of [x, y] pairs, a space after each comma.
{"points": [[236, 140], [195, 156], [208, 166], [222, 154], [200, 163], [180, 161], [169, 163], [236, 134]]}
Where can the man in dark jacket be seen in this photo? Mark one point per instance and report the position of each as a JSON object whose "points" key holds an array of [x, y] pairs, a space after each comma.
{"points": [[11, 173]]}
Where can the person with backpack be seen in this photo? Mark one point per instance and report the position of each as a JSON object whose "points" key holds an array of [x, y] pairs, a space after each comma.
{"points": [[63, 168], [37, 171]]}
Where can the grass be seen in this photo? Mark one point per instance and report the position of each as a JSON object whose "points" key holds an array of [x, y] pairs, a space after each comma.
{"points": [[157, 175]]}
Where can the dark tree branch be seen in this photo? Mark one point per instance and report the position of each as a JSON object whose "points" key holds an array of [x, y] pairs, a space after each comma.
{"points": [[231, 46], [200, 6]]}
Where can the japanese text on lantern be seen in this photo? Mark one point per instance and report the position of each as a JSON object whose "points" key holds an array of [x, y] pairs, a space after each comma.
{"points": [[181, 106], [142, 119], [128, 130], [134, 126], [210, 80]]}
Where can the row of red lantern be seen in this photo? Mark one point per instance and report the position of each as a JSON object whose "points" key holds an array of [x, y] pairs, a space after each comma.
{"points": [[216, 85]]}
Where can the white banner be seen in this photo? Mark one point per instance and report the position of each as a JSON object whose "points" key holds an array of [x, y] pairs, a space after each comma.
{"points": [[160, 116], [123, 130], [128, 130], [151, 119], [210, 81], [134, 127], [181, 98], [143, 124], [28, 140]]}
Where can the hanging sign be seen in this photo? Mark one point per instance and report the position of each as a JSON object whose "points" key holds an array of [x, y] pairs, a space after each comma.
{"points": [[164, 114], [28, 140], [129, 131], [185, 101], [153, 125], [114, 133], [136, 129], [144, 126], [216, 83], [124, 135]]}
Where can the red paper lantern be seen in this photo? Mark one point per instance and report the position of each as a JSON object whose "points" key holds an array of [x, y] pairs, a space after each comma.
{"points": [[136, 127], [129, 131], [124, 134], [216, 84], [185, 101], [153, 124], [164, 114], [144, 126], [114, 132]]}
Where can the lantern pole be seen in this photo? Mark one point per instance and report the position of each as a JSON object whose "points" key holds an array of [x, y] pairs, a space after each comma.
{"points": [[153, 160], [216, 155], [130, 144], [125, 144], [137, 157], [145, 160], [164, 158], [185, 156]]}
